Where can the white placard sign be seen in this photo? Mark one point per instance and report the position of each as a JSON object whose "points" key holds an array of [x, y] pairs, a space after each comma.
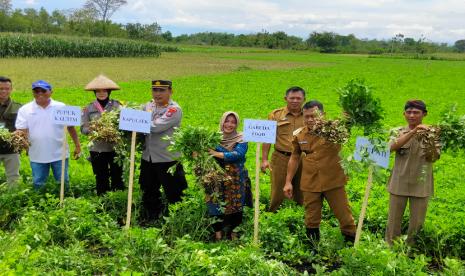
{"points": [[67, 116], [135, 120], [261, 131], [380, 158]]}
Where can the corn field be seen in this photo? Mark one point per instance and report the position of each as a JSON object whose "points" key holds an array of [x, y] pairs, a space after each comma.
{"points": [[27, 45]]}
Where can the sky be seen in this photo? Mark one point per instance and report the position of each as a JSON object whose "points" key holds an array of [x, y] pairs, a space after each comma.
{"points": [[438, 21]]}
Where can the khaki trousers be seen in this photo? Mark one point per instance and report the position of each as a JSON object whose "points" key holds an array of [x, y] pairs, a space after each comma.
{"points": [[417, 207], [339, 204], [278, 164], [11, 163]]}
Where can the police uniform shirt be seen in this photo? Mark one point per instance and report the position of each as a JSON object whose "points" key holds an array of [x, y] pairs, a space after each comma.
{"points": [[164, 120]]}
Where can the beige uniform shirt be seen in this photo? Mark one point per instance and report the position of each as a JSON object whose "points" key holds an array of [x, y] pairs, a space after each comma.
{"points": [[287, 124], [412, 175], [164, 121], [321, 169]]}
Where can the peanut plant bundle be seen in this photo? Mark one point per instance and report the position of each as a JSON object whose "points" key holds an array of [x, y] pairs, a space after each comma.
{"points": [[106, 128], [334, 131], [193, 143], [18, 140], [449, 133]]}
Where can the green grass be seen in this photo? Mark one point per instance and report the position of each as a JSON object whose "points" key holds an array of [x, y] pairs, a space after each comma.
{"points": [[206, 83]]}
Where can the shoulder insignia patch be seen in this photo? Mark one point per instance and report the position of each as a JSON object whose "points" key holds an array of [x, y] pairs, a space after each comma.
{"points": [[171, 111]]}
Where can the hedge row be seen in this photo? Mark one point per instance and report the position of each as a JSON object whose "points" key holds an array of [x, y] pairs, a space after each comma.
{"points": [[27, 45]]}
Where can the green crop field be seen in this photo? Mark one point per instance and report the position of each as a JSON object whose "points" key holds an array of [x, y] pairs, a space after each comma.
{"points": [[84, 237]]}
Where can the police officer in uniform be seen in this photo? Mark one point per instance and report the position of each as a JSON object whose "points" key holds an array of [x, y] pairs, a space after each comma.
{"points": [[156, 159], [322, 177], [288, 118]]}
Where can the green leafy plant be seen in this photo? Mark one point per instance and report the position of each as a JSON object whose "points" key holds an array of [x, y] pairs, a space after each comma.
{"points": [[360, 105], [452, 130], [447, 135], [193, 143]]}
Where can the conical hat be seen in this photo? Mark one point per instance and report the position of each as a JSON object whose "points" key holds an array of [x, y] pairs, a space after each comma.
{"points": [[102, 82]]}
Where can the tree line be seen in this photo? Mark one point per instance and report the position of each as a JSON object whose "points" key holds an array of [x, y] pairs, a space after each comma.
{"points": [[93, 19]]}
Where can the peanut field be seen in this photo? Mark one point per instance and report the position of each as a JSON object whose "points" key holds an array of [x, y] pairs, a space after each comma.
{"points": [[37, 236]]}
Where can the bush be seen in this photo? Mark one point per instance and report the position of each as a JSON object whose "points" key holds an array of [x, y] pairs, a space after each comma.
{"points": [[283, 235], [188, 217], [373, 257], [13, 203]]}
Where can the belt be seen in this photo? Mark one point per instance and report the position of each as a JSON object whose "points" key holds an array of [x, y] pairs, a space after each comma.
{"points": [[284, 152]]}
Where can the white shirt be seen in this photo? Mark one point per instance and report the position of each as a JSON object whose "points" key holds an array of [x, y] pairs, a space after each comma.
{"points": [[46, 137]]}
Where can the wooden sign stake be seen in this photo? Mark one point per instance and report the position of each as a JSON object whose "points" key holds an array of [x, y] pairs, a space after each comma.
{"points": [[257, 195], [364, 205], [63, 161], [131, 179]]}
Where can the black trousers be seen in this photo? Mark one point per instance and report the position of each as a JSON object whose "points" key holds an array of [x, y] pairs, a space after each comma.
{"points": [[154, 175], [228, 222], [105, 168]]}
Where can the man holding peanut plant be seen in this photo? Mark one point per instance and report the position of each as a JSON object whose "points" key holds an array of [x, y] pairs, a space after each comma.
{"points": [[156, 159], [322, 176], [8, 112], [289, 118], [412, 175]]}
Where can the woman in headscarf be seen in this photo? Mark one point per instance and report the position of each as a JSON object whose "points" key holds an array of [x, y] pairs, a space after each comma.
{"points": [[102, 154], [234, 193]]}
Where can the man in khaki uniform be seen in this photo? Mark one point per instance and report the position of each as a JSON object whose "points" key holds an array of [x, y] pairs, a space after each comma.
{"points": [[288, 118], [8, 113], [412, 175], [322, 177]]}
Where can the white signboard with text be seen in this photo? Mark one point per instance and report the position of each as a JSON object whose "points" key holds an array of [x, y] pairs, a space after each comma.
{"points": [[261, 131], [67, 116], [381, 158], [135, 120]]}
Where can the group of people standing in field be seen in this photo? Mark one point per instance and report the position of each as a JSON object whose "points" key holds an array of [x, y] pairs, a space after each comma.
{"points": [[304, 167]]}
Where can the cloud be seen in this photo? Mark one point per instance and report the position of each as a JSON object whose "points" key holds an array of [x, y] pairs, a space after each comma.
{"points": [[436, 20]]}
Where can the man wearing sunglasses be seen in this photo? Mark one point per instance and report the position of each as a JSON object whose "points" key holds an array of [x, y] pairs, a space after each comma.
{"points": [[35, 118]]}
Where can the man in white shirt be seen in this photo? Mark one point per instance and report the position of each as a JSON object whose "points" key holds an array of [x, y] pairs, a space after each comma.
{"points": [[35, 118]]}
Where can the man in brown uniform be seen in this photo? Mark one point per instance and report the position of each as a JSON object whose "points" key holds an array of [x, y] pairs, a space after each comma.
{"points": [[322, 177], [288, 118], [412, 175]]}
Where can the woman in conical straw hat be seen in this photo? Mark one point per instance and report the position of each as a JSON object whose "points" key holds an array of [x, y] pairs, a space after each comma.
{"points": [[235, 193], [102, 153]]}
